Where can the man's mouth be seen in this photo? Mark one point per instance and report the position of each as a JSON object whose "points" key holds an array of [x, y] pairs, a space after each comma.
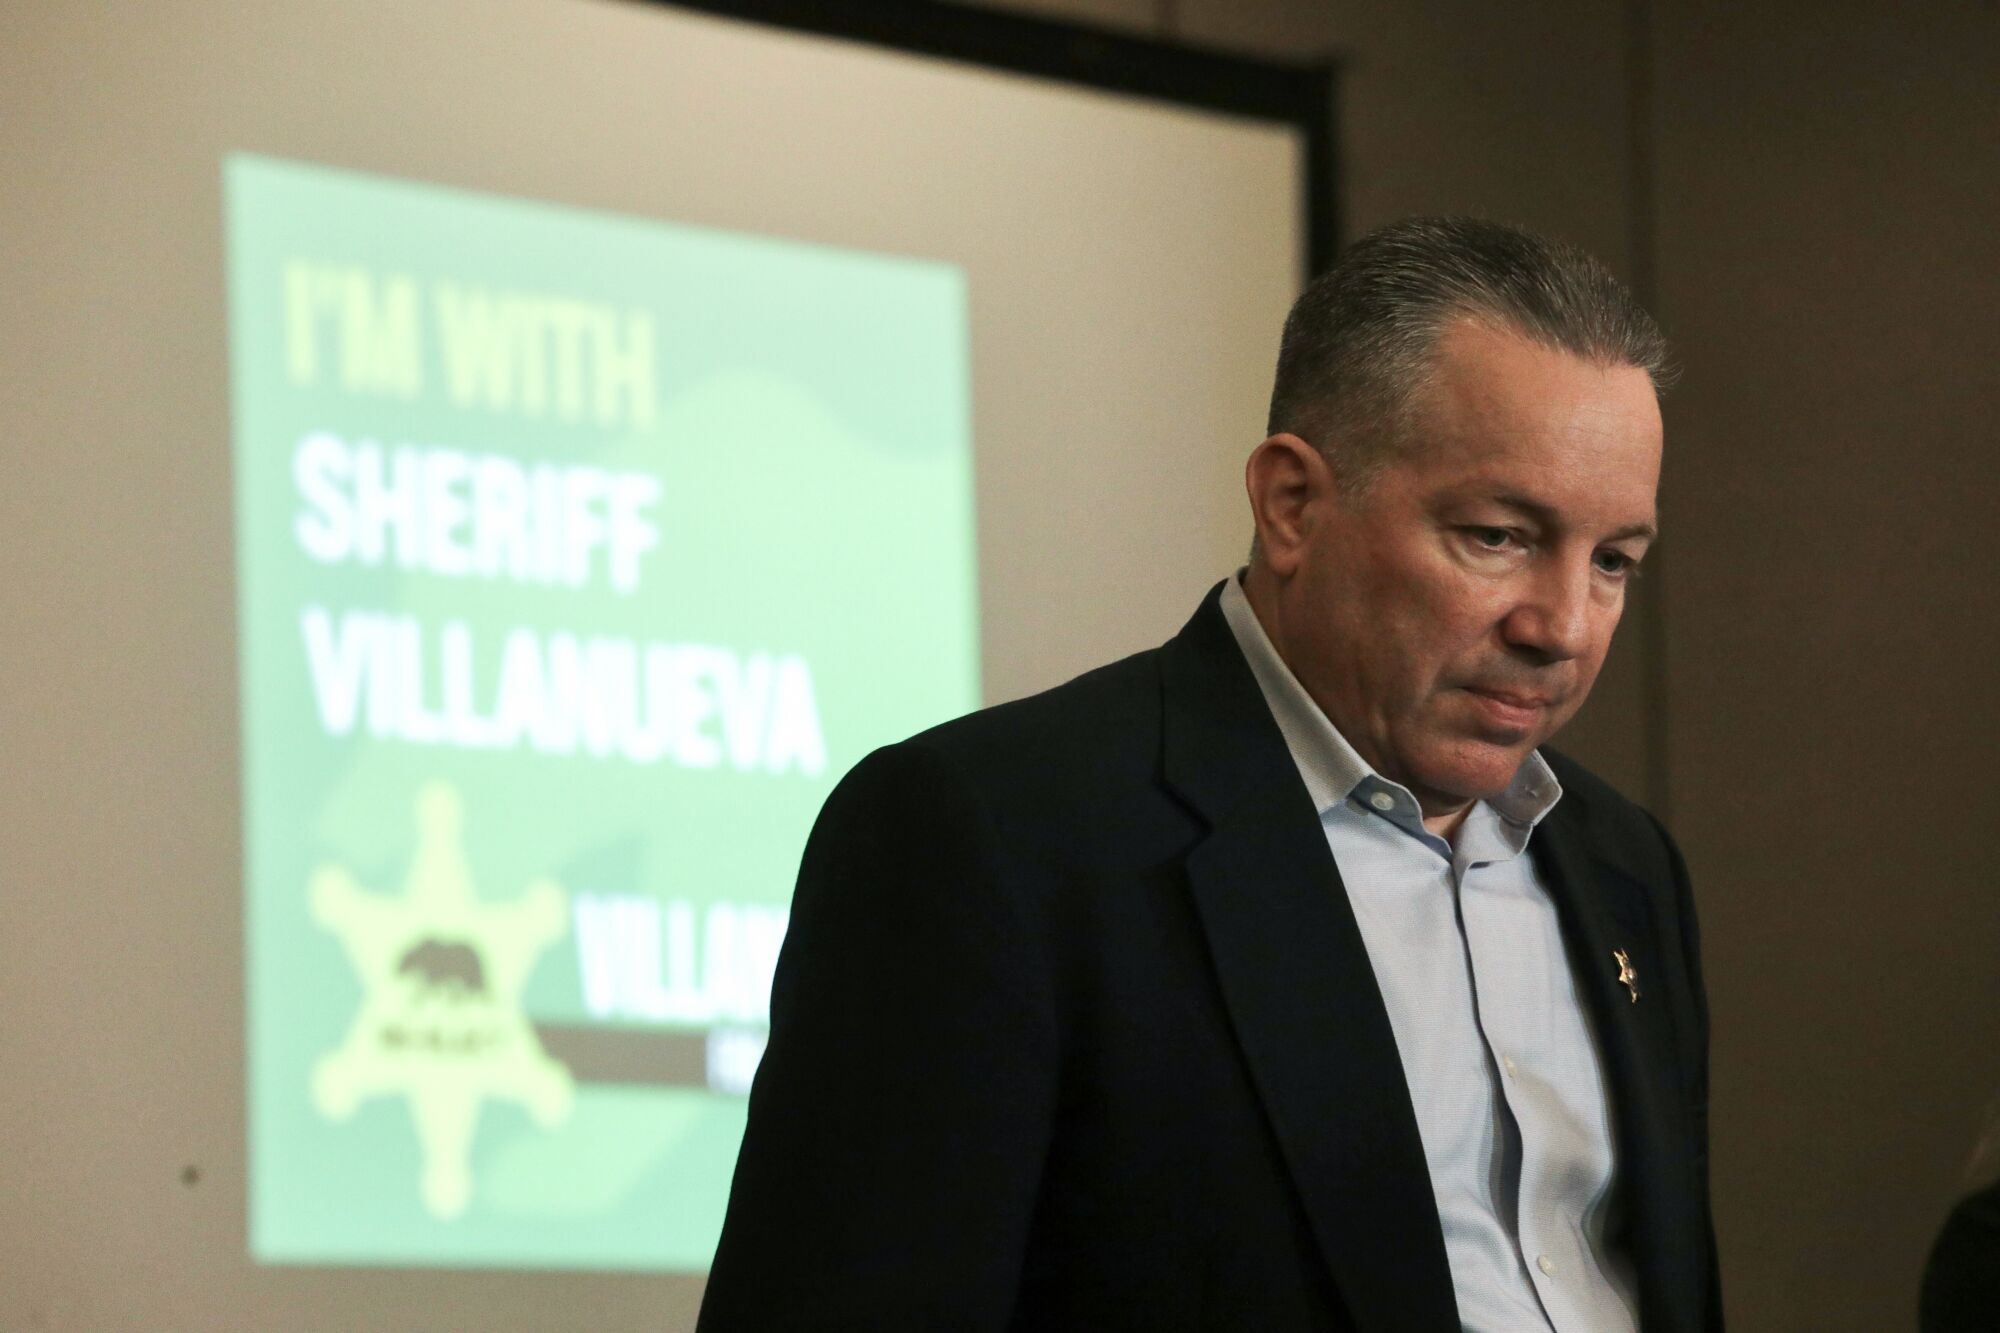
{"points": [[1510, 708]]}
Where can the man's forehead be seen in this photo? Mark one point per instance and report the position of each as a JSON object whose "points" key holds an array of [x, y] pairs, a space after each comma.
{"points": [[1502, 350], [1502, 377]]}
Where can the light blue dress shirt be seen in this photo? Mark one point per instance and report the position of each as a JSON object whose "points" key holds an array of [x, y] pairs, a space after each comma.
{"points": [[1502, 1067]]}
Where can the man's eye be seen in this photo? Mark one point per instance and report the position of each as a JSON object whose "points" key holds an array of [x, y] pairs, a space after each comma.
{"points": [[1618, 564], [1490, 539]]}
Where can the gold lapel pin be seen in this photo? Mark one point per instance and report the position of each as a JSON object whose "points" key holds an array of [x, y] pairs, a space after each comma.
{"points": [[1628, 976]]}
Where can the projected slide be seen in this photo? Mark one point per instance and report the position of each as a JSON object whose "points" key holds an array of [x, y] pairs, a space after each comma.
{"points": [[578, 555]]}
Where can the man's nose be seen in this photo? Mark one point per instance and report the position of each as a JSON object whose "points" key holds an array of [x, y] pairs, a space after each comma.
{"points": [[1556, 617]]}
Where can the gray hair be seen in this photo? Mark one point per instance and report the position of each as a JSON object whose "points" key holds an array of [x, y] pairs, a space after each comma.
{"points": [[1361, 339]]}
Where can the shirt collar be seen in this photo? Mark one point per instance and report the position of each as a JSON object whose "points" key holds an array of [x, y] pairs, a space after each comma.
{"points": [[1331, 768]]}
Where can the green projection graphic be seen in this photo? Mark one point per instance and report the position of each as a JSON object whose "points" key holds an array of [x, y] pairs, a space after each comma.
{"points": [[579, 556]]}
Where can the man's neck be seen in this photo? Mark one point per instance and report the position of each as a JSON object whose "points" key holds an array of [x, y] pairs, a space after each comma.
{"points": [[1260, 590], [1447, 825]]}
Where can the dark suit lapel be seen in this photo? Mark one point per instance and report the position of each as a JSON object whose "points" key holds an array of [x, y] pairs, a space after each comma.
{"points": [[1300, 993], [1605, 908]]}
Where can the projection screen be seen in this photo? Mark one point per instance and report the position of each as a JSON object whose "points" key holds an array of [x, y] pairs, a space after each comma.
{"points": [[478, 474]]}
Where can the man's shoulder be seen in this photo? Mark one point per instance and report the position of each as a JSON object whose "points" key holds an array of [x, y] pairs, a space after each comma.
{"points": [[1069, 773], [1104, 719]]}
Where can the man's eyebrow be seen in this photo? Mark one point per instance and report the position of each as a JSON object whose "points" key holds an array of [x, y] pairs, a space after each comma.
{"points": [[1548, 517]]}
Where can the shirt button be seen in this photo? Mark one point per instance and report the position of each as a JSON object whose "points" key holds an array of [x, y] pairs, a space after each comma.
{"points": [[1507, 1063], [1383, 801], [1546, 1264]]}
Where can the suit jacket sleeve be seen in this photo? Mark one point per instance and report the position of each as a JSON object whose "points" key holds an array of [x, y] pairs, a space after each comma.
{"points": [[898, 1123]]}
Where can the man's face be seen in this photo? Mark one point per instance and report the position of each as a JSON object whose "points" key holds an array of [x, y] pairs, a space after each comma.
{"points": [[1454, 615]]}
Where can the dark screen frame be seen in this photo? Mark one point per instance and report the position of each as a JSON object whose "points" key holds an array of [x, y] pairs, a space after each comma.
{"points": [[1301, 96]]}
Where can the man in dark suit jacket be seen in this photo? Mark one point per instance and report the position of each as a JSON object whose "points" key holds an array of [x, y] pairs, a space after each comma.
{"points": [[1081, 1020]]}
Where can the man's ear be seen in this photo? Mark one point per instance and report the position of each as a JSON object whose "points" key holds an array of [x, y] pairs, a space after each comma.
{"points": [[1290, 485]]}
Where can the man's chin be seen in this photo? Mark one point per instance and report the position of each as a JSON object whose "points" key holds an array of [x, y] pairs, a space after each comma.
{"points": [[1473, 770]]}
